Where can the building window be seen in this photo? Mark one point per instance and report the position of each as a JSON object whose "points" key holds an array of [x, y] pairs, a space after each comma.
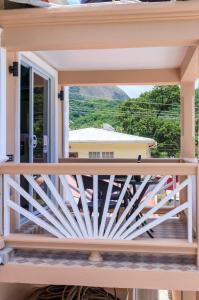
{"points": [[94, 154], [107, 155], [101, 155]]}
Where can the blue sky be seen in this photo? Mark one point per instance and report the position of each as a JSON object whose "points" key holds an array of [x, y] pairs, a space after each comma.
{"points": [[135, 90]]}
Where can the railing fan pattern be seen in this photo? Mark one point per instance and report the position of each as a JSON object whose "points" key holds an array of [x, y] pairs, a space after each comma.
{"points": [[68, 211]]}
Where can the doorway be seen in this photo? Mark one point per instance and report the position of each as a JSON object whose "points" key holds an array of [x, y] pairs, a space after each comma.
{"points": [[34, 116], [34, 124]]}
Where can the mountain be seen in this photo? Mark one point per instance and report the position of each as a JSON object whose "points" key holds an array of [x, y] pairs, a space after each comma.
{"points": [[97, 92]]}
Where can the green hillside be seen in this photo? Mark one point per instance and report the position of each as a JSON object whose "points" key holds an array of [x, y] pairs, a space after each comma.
{"points": [[97, 92]]}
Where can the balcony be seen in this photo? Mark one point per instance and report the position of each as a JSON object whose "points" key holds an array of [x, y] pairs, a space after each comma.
{"points": [[153, 229]]}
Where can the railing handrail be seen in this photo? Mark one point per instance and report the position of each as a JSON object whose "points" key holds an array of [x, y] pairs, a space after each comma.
{"points": [[100, 168], [120, 160]]}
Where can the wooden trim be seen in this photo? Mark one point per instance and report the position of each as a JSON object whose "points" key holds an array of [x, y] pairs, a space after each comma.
{"points": [[136, 24], [101, 13], [119, 160], [30, 241], [99, 275], [100, 169], [138, 77]]}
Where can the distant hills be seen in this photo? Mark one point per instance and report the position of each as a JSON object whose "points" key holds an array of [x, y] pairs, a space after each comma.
{"points": [[97, 92]]}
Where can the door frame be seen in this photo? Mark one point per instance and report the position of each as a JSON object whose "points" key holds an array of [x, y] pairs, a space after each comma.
{"points": [[32, 73], [42, 69]]}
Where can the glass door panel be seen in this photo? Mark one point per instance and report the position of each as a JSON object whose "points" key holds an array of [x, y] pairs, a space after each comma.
{"points": [[40, 138], [34, 121]]}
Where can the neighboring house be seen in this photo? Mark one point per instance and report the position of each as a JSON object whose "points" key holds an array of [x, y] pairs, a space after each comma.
{"points": [[45, 236], [103, 143]]}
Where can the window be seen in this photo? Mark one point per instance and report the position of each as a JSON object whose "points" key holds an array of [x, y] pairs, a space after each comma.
{"points": [[107, 155], [94, 154], [101, 154]]}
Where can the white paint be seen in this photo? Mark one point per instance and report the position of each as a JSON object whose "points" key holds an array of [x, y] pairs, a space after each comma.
{"points": [[115, 59], [74, 206], [85, 206], [95, 206], [190, 203], [106, 206], [2, 105], [66, 123], [49, 72]]}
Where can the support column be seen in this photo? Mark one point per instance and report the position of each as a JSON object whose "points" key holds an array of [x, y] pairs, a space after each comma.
{"points": [[13, 110], [187, 143], [60, 125], [13, 125], [189, 295]]}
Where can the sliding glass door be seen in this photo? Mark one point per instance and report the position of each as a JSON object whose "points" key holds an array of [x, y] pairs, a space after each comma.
{"points": [[35, 116], [34, 124]]}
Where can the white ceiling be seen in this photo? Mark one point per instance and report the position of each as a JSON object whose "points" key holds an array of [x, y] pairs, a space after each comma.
{"points": [[115, 59]]}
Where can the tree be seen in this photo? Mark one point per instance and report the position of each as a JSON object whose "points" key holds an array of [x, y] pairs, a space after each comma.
{"points": [[154, 114]]}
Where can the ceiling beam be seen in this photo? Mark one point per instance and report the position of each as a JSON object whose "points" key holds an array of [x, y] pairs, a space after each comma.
{"points": [[103, 26], [116, 77], [101, 36], [189, 70]]}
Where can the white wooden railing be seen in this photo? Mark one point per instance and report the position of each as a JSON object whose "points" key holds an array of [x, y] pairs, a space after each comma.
{"points": [[56, 208]]}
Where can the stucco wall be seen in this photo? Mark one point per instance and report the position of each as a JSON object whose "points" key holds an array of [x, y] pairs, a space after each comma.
{"points": [[120, 150], [12, 291]]}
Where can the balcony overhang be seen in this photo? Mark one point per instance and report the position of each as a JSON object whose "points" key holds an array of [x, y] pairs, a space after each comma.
{"points": [[101, 26]]}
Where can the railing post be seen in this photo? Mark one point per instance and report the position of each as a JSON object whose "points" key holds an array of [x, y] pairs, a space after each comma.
{"points": [[1, 205], [190, 203], [197, 213], [6, 196]]}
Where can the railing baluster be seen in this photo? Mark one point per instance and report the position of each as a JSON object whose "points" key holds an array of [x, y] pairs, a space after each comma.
{"points": [[38, 206], [129, 207], [62, 205], [157, 221], [35, 219], [153, 210], [190, 203], [6, 197], [117, 207], [85, 206], [95, 206], [142, 205], [106, 206], [74, 206]]}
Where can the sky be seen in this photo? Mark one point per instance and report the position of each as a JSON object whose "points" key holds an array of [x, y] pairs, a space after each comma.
{"points": [[134, 91]]}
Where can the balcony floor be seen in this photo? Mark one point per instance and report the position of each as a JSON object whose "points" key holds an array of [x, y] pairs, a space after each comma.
{"points": [[173, 228]]}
